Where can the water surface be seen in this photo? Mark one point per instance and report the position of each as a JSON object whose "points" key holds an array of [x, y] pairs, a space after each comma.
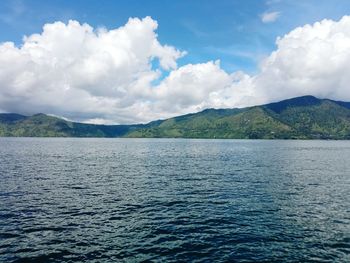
{"points": [[174, 200]]}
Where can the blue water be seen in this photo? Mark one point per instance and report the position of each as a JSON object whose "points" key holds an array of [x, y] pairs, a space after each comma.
{"points": [[174, 200]]}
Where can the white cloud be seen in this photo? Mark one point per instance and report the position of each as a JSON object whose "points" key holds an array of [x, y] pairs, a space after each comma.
{"points": [[269, 17], [73, 70], [105, 75], [310, 60]]}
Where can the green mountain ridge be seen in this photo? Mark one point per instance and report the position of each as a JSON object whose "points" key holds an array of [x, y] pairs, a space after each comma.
{"points": [[304, 117]]}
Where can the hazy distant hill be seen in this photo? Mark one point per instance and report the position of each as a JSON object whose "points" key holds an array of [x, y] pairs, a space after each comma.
{"points": [[41, 125], [299, 118]]}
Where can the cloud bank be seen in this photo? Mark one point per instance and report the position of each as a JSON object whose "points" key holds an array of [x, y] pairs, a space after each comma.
{"points": [[117, 76]]}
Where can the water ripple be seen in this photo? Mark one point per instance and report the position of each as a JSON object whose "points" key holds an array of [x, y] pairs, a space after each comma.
{"points": [[165, 200]]}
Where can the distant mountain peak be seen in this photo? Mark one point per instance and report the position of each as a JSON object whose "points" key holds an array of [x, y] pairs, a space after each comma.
{"points": [[39, 115], [11, 117], [307, 100]]}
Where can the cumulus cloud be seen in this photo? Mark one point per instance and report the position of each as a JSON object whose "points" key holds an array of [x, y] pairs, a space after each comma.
{"points": [[313, 59], [269, 17], [106, 76], [73, 70]]}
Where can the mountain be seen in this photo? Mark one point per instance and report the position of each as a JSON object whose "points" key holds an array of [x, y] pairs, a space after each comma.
{"points": [[298, 118], [41, 125], [304, 117]]}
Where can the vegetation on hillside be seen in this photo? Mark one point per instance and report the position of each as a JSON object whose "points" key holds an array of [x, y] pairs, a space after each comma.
{"points": [[299, 118]]}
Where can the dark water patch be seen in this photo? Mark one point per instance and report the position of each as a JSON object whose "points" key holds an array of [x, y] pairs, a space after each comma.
{"points": [[7, 235], [59, 256], [43, 229]]}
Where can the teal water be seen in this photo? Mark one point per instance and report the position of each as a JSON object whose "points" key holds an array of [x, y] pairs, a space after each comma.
{"points": [[174, 200]]}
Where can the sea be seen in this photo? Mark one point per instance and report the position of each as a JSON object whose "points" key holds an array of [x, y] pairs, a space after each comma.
{"points": [[174, 200]]}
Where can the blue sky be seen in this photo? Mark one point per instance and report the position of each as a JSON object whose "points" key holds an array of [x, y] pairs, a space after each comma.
{"points": [[110, 61], [229, 30]]}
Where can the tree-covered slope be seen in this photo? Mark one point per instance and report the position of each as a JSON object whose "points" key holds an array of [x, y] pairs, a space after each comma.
{"points": [[41, 125], [325, 120], [251, 123], [299, 118]]}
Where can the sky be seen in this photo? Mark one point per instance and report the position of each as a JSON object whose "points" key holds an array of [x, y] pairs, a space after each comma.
{"points": [[135, 61]]}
